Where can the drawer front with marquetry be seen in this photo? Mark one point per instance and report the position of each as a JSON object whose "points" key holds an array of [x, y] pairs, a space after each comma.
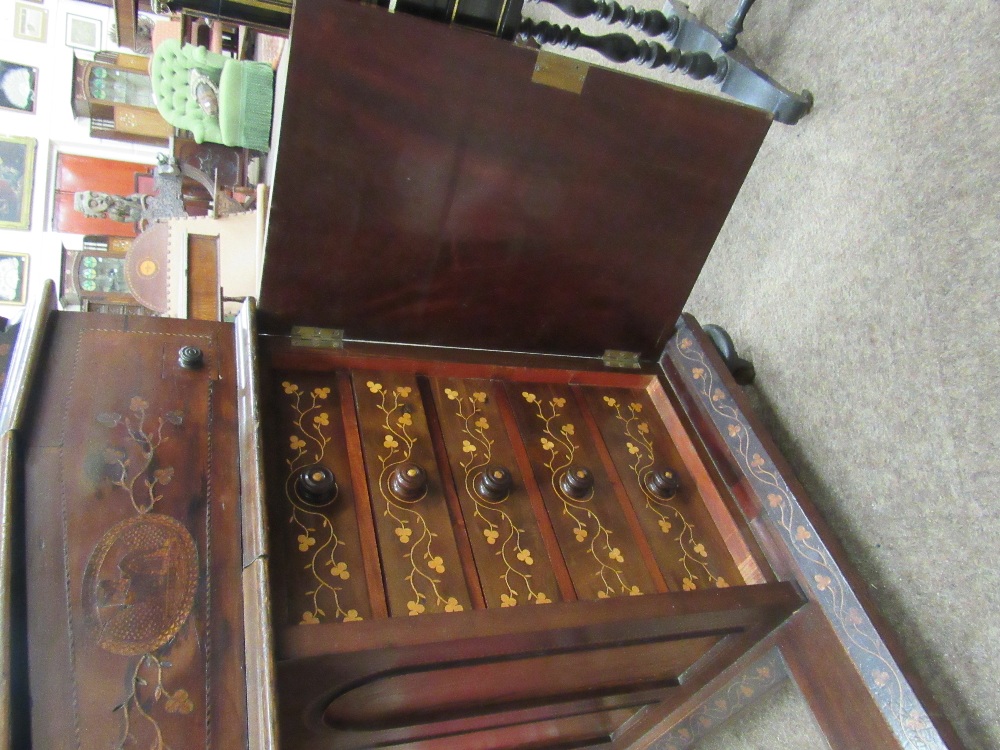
{"points": [[461, 548], [479, 493]]}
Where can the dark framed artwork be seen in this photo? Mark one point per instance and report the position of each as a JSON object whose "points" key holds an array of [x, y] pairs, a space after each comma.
{"points": [[13, 278], [17, 170], [18, 84]]}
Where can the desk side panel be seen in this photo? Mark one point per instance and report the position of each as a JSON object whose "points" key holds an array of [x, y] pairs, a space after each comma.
{"points": [[135, 620]]}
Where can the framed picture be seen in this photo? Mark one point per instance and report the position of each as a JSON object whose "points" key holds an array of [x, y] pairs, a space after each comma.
{"points": [[13, 278], [17, 170], [18, 84], [83, 32], [30, 22]]}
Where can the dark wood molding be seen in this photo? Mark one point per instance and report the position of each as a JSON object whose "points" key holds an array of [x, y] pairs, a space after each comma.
{"points": [[25, 358], [801, 546], [261, 698]]}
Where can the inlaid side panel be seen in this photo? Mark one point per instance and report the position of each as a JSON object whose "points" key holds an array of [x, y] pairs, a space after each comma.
{"points": [[510, 554], [422, 568], [678, 526], [135, 611], [600, 550], [312, 504]]}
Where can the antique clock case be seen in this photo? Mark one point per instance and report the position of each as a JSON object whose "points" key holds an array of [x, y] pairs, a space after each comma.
{"points": [[467, 478]]}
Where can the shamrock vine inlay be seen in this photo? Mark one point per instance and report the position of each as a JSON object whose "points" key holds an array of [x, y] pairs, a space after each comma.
{"points": [[308, 447], [694, 556], [412, 529], [587, 525], [140, 581], [495, 521]]}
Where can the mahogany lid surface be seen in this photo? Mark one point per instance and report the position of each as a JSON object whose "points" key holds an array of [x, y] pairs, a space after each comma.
{"points": [[427, 191]]}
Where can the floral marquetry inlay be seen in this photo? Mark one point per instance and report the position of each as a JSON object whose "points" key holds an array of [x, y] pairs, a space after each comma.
{"points": [[140, 582], [496, 524], [670, 519], [883, 677], [558, 440], [411, 526], [317, 539]]}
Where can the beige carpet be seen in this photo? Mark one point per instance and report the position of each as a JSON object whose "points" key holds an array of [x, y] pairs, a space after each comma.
{"points": [[859, 270]]}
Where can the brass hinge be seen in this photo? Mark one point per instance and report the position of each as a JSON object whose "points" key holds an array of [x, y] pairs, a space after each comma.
{"points": [[619, 358], [560, 72], [318, 338]]}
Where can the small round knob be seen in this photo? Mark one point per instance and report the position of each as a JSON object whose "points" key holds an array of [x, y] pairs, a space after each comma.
{"points": [[495, 483], [190, 357], [408, 481], [664, 484], [317, 484], [577, 482]]}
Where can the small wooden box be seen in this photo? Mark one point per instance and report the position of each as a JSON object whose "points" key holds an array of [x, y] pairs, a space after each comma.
{"points": [[494, 491]]}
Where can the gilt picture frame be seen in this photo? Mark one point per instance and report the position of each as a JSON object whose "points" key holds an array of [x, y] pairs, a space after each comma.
{"points": [[17, 172], [30, 22]]}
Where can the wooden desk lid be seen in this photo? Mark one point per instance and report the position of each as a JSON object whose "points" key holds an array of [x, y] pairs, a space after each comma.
{"points": [[427, 191]]}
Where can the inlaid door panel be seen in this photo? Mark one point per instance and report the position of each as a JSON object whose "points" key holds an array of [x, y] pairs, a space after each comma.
{"points": [[683, 538], [313, 504], [422, 567], [133, 533], [604, 557], [511, 557]]}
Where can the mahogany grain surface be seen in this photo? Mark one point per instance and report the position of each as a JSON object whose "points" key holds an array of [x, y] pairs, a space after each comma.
{"points": [[429, 192], [135, 613]]}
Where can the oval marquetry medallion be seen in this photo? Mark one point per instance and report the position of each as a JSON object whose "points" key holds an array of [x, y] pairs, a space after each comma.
{"points": [[139, 586]]}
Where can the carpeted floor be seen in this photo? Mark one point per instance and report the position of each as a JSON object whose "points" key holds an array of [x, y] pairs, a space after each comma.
{"points": [[859, 270]]}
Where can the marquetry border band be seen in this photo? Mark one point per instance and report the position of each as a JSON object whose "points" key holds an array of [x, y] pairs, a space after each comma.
{"points": [[827, 585]]}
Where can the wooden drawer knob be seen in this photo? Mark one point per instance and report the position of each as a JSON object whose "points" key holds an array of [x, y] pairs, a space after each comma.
{"points": [[577, 482], [317, 485], [495, 483], [664, 484], [408, 481], [190, 357]]}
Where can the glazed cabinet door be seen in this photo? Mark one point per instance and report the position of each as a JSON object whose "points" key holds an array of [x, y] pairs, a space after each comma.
{"points": [[133, 538]]}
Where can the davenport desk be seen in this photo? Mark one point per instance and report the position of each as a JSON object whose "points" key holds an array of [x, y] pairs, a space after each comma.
{"points": [[466, 479]]}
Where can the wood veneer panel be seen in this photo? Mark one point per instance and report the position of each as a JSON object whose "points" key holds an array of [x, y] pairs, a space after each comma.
{"points": [[586, 730], [596, 541], [682, 533], [465, 205], [412, 698], [510, 553], [420, 559], [580, 641], [317, 545], [729, 520], [203, 298], [133, 541]]}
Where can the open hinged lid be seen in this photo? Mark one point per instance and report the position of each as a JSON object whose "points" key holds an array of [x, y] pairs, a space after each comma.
{"points": [[427, 191]]}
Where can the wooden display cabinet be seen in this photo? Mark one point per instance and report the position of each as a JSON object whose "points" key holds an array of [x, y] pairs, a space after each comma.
{"points": [[467, 479], [115, 92], [94, 278]]}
